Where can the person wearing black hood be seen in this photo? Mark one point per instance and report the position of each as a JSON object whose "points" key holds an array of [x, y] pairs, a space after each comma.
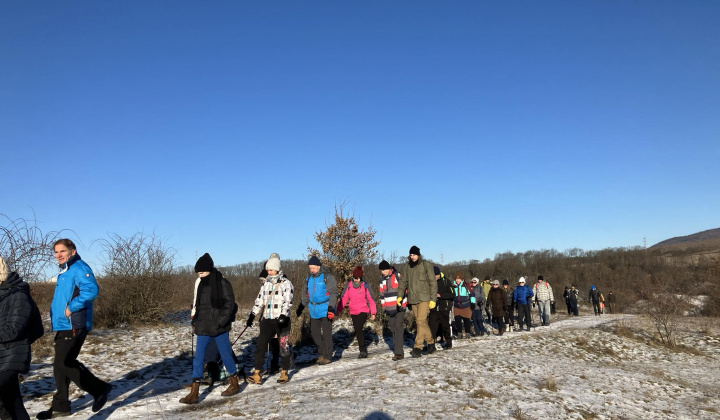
{"points": [[15, 312], [213, 312], [440, 316]]}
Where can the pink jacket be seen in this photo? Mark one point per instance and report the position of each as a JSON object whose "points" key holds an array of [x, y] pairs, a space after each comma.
{"points": [[357, 300]]}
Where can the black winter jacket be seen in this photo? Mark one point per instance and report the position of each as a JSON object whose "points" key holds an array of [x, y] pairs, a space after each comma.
{"points": [[15, 311], [447, 295], [209, 320]]}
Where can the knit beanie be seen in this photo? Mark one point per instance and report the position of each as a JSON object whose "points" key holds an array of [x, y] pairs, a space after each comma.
{"points": [[505, 282], [384, 265], [204, 263], [4, 271], [540, 278], [436, 270], [314, 260], [414, 250], [358, 272], [487, 277], [496, 282], [273, 263], [522, 280]]}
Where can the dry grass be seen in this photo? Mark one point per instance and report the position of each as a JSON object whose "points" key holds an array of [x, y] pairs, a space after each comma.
{"points": [[549, 383], [481, 393], [517, 413]]}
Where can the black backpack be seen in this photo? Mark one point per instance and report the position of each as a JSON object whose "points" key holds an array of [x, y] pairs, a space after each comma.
{"points": [[35, 328]]}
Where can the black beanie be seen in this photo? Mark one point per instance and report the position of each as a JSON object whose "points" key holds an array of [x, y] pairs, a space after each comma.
{"points": [[204, 263], [436, 270], [487, 277], [540, 278], [415, 250], [314, 260], [384, 265], [505, 282]]}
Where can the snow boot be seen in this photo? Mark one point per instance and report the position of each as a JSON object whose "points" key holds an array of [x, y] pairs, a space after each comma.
{"points": [[510, 328], [363, 355], [431, 348], [448, 344], [193, 396], [255, 377], [416, 353], [233, 388], [502, 331], [283, 377]]}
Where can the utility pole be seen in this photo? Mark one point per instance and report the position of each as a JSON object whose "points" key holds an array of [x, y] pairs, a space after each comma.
{"points": [[442, 260], [644, 242]]}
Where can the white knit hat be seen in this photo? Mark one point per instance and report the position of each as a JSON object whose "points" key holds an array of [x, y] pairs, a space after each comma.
{"points": [[522, 280], [4, 271], [273, 263]]}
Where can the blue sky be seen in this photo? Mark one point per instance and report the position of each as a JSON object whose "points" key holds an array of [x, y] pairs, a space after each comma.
{"points": [[467, 128]]}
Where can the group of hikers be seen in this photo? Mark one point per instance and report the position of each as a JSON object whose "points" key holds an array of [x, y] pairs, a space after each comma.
{"points": [[444, 308]]}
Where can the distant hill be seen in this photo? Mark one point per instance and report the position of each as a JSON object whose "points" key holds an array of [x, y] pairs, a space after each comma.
{"points": [[691, 248], [709, 237]]}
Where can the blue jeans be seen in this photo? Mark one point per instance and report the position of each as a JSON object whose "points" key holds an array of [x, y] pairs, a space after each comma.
{"points": [[478, 321], [226, 353]]}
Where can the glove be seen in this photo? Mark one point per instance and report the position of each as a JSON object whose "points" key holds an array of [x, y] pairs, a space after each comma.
{"points": [[399, 301], [283, 321], [432, 304], [250, 320], [299, 310], [330, 315]]}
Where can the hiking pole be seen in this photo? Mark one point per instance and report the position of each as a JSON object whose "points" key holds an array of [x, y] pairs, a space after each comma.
{"points": [[238, 337], [192, 342]]}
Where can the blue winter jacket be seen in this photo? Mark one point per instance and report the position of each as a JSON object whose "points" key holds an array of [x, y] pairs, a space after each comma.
{"points": [[76, 288], [523, 294], [320, 294]]}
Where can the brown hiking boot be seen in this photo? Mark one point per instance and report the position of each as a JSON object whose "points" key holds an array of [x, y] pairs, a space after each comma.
{"points": [[233, 388], [283, 377], [192, 397], [255, 377], [322, 361], [397, 357], [502, 331]]}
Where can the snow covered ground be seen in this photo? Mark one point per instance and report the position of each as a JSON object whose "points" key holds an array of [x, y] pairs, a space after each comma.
{"points": [[577, 368]]}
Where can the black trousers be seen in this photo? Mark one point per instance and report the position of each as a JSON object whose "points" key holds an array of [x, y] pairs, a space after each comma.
{"points": [[321, 332], [268, 330], [524, 315], [439, 322], [67, 369], [509, 315], [10, 395], [359, 326], [460, 321]]}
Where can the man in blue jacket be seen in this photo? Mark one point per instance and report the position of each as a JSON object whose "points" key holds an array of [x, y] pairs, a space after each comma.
{"points": [[523, 297], [71, 313]]}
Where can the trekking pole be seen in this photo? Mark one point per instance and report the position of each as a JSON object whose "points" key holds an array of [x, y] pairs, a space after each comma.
{"points": [[238, 337], [192, 342]]}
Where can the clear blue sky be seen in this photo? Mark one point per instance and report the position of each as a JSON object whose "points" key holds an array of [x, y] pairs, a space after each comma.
{"points": [[467, 128]]}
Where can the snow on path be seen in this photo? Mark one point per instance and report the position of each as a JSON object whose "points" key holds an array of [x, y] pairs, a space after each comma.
{"points": [[597, 374]]}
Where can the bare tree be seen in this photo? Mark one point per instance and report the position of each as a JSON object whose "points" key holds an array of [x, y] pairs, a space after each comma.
{"points": [[25, 247], [343, 245]]}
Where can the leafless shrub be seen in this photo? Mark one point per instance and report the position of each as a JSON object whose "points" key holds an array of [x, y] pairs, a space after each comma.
{"points": [[138, 283], [664, 310], [25, 248], [518, 414]]}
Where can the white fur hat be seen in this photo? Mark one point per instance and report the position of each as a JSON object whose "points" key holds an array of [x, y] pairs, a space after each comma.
{"points": [[273, 263]]}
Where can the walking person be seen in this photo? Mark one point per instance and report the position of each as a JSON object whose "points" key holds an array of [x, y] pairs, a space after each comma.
{"points": [[422, 296], [595, 297], [486, 287], [395, 311], [462, 307], [15, 314], [213, 313], [496, 302], [359, 300], [440, 316], [523, 298], [71, 313], [272, 306], [611, 302], [572, 299], [320, 294], [544, 299], [508, 305], [566, 296], [477, 308], [274, 342]]}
